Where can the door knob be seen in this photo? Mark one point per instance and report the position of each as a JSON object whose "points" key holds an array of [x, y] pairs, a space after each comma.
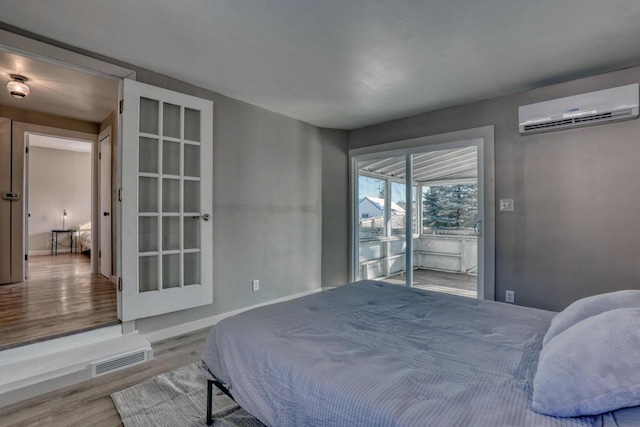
{"points": [[105, 213]]}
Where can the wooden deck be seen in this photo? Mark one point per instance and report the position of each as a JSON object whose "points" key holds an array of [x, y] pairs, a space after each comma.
{"points": [[440, 281], [60, 297]]}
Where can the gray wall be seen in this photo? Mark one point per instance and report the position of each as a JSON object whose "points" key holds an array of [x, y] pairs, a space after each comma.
{"points": [[575, 230], [335, 207]]}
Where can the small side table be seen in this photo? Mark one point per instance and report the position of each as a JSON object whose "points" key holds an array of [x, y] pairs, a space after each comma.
{"points": [[54, 236]]}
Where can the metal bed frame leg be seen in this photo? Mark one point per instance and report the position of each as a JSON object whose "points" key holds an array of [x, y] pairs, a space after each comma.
{"points": [[218, 384], [209, 396]]}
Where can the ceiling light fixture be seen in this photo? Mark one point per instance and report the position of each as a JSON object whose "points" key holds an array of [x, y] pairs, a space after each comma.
{"points": [[17, 86]]}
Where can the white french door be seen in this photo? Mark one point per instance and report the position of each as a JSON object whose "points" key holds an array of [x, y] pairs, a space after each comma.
{"points": [[167, 157]]}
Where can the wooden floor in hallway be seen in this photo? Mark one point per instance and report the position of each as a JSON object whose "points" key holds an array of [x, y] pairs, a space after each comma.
{"points": [[60, 297]]}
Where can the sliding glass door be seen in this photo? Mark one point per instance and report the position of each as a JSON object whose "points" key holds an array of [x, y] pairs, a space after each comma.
{"points": [[416, 217]]}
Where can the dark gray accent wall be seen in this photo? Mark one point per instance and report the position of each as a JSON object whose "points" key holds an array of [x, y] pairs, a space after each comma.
{"points": [[335, 207], [575, 229]]}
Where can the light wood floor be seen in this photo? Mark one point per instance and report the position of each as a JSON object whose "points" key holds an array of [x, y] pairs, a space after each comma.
{"points": [[439, 281], [60, 297], [88, 403]]}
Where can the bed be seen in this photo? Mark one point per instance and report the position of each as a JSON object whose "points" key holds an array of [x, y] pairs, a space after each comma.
{"points": [[84, 236], [373, 354]]}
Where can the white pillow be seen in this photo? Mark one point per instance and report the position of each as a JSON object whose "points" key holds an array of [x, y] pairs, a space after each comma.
{"points": [[591, 368], [590, 306]]}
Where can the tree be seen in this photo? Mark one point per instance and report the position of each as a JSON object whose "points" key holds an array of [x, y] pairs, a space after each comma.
{"points": [[450, 206]]}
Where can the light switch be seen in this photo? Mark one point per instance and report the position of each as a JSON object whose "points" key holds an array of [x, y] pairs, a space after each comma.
{"points": [[506, 205]]}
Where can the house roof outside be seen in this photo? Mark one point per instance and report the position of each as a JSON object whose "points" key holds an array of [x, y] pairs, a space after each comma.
{"points": [[378, 202]]}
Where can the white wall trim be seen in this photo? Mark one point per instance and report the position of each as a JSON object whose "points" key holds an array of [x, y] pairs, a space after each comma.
{"points": [[43, 348], [52, 54], [185, 328], [40, 252]]}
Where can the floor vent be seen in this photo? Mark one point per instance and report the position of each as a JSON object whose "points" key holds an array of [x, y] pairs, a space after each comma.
{"points": [[115, 364]]}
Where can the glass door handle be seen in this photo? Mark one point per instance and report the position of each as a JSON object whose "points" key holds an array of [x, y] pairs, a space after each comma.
{"points": [[206, 217], [476, 228]]}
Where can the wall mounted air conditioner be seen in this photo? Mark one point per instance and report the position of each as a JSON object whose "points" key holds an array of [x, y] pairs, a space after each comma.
{"points": [[603, 106]]}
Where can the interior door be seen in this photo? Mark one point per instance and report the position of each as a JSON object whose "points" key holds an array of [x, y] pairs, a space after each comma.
{"points": [[166, 201], [104, 162]]}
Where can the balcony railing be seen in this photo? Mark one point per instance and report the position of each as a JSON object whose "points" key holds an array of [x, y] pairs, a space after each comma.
{"points": [[382, 257]]}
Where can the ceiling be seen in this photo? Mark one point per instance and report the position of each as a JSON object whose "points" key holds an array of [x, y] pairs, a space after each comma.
{"points": [[347, 64], [454, 166], [59, 143], [58, 90]]}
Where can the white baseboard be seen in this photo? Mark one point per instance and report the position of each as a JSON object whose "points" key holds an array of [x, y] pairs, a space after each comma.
{"points": [[40, 252], [185, 328], [69, 342]]}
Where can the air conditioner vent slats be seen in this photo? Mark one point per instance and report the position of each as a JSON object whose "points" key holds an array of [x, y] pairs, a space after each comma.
{"points": [[581, 121], [546, 125], [119, 363]]}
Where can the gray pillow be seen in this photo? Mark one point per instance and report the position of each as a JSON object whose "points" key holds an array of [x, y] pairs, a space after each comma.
{"points": [[591, 306], [591, 368]]}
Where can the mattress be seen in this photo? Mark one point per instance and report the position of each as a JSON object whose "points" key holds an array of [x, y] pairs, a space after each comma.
{"points": [[371, 353], [84, 235]]}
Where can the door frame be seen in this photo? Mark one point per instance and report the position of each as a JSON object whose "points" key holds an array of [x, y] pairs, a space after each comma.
{"points": [[483, 138], [22, 131]]}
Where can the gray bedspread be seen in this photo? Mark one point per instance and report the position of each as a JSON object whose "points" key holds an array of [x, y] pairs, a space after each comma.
{"points": [[375, 354]]}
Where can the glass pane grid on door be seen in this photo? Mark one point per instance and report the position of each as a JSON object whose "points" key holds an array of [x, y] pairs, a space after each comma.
{"points": [[169, 196]]}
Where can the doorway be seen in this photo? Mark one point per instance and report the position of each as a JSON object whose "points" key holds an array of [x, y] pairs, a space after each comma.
{"points": [[419, 214], [56, 166], [162, 149], [57, 196]]}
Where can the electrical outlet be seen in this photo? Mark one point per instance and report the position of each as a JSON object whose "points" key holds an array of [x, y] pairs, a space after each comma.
{"points": [[255, 285], [511, 297], [506, 205]]}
